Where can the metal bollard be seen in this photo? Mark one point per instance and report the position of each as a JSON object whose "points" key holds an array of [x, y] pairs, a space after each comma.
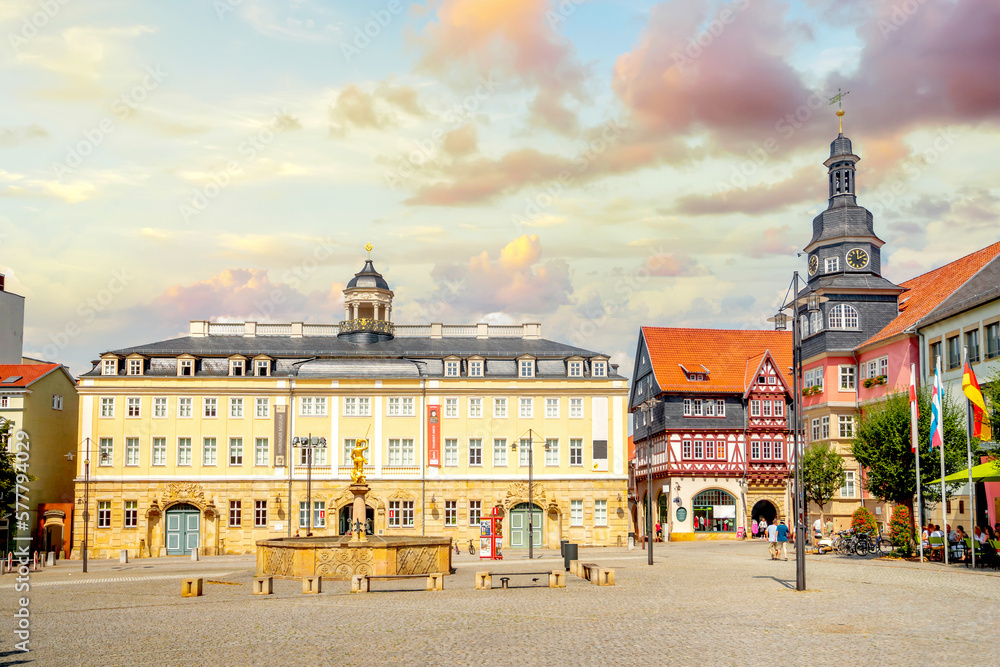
{"points": [[571, 553]]}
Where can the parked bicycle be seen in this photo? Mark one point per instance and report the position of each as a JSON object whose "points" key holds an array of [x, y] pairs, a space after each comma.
{"points": [[472, 548]]}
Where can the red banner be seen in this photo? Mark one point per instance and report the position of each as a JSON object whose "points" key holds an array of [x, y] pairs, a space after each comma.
{"points": [[434, 435]]}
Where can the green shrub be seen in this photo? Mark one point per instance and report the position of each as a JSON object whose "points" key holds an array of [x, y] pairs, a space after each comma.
{"points": [[899, 526], [863, 521]]}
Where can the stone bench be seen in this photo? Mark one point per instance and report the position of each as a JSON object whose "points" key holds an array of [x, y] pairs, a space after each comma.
{"points": [[605, 577], [191, 588], [312, 585], [263, 585], [484, 578], [361, 583]]}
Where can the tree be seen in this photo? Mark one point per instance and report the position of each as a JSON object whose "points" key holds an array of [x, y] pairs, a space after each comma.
{"points": [[882, 447], [822, 474], [8, 473]]}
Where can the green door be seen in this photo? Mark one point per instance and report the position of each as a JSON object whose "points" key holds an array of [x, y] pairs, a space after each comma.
{"points": [[183, 529], [519, 526]]}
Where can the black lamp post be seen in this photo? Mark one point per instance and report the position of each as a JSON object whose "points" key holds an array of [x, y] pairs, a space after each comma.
{"points": [[308, 444], [531, 491], [86, 496]]}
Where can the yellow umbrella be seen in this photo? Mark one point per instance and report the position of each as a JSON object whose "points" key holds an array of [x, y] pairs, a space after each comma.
{"points": [[984, 472]]}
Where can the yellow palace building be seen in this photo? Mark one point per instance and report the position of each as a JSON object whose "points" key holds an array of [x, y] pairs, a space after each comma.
{"points": [[243, 431]]}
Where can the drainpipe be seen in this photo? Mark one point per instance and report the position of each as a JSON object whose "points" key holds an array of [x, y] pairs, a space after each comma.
{"points": [[423, 457], [289, 452]]}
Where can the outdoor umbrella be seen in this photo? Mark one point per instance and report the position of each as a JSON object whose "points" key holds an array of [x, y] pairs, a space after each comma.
{"points": [[984, 472]]}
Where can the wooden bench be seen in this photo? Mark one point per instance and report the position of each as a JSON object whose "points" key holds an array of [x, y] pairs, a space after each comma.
{"points": [[587, 570], [361, 583], [484, 579]]}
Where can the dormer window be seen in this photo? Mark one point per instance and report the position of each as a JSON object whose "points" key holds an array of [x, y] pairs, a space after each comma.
{"points": [[135, 366], [452, 369], [600, 369], [185, 367], [476, 369], [236, 367], [526, 368], [109, 367], [576, 369], [262, 368]]}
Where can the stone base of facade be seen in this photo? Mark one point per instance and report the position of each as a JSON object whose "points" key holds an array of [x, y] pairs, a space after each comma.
{"points": [[693, 537]]}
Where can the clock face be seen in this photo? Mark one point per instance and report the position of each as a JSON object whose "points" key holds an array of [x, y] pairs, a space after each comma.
{"points": [[813, 264], [857, 258]]}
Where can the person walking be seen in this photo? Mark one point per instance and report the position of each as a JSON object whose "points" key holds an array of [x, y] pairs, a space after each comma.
{"points": [[817, 530], [763, 528], [782, 543], [772, 541]]}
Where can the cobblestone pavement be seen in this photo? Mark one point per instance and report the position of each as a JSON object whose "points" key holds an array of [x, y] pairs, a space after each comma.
{"points": [[713, 603]]}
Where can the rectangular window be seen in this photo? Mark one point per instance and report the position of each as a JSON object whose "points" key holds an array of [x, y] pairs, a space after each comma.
{"points": [[992, 340], [686, 449], [688, 407], [110, 367], [847, 378], [3, 402], [236, 408], [183, 451], [131, 451], [261, 452], [824, 423], [935, 354], [235, 513], [406, 511], [500, 408], [778, 450], [527, 408], [709, 407], [104, 514], [576, 512], [159, 408], [846, 426], [720, 407], [709, 449], [815, 430], [107, 407], [236, 451], [552, 451], [260, 514], [552, 408], [236, 367], [499, 451], [576, 451], [832, 264], [401, 407], [304, 514], [883, 366], [779, 408], [132, 405], [131, 513], [600, 512], [262, 368], [954, 353], [765, 449], [451, 408], [451, 369], [184, 407], [319, 404], [696, 407], [306, 406], [720, 450], [524, 452], [395, 452], [475, 451], [350, 407], [767, 408], [527, 368], [262, 408], [186, 367], [475, 369], [107, 452], [600, 369], [451, 452], [699, 449], [209, 452], [972, 342], [159, 454], [576, 408], [346, 451], [450, 513], [210, 406], [475, 512], [576, 369], [755, 408], [475, 408], [755, 449], [319, 514], [847, 491], [872, 368]]}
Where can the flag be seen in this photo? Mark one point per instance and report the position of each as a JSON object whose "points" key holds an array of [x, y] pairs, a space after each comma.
{"points": [[914, 410], [981, 420], [937, 421]]}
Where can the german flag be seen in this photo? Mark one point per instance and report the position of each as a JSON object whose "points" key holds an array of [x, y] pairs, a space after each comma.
{"points": [[980, 417]]}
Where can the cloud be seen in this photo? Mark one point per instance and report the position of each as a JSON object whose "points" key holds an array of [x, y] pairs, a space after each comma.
{"points": [[673, 265], [10, 137], [805, 185], [773, 241], [357, 109], [461, 142]]}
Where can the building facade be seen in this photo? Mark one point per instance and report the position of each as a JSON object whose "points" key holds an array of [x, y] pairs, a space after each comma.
{"points": [[199, 440], [711, 430], [11, 325]]}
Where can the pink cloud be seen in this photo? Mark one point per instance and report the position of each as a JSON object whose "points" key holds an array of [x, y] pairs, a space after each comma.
{"points": [[674, 265]]}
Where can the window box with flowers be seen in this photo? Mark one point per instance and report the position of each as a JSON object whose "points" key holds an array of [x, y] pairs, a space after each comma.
{"points": [[875, 381], [814, 390]]}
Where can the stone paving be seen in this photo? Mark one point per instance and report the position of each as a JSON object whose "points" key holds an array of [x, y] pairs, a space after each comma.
{"points": [[713, 603]]}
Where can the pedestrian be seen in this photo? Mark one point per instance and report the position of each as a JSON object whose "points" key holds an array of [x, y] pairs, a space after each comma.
{"points": [[659, 532], [782, 543], [829, 528], [772, 541], [818, 530], [763, 528], [753, 528]]}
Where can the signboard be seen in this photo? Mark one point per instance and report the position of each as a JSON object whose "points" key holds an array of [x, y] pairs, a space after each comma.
{"points": [[434, 435], [486, 547], [280, 433], [682, 514], [739, 533]]}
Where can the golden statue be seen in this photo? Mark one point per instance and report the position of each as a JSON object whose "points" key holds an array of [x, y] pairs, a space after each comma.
{"points": [[358, 458]]}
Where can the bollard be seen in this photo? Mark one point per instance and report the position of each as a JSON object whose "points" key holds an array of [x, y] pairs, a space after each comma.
{"points": [[123, 556], [194, 554], [191, 588], [571, 552], [35, 563], [312, 585], [263, 585], [50, 559]]}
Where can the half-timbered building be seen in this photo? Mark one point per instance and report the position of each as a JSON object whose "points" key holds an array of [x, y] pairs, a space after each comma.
{"points": [[712, 439]]}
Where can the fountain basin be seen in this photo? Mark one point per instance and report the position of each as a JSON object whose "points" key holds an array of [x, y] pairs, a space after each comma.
{"points": [[339, 558]]}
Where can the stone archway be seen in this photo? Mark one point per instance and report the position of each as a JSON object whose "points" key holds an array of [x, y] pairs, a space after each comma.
{"points": [[764, 509]]}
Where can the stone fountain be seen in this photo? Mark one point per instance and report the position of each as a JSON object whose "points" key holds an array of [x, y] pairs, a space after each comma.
{"points": [[340, 557]]}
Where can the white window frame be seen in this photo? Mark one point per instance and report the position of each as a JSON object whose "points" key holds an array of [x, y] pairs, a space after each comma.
{"points": [[686, 446], [131, 451], [526, 368], [209, 451], [576, 452], [262, 408], [451, 452], [262, 365], [109, 367], [451, 514], [575, 369], [185, 451], [237, 365], [161, 407], [831, 264], [260, 514], [135, 366], [103, 513], [576, 408], [235, 513], [552, 408], [600, 369], [848, 490], [158, 451], [575, 512], [133, 407], [452, 368], [845, 425], [106, 446], [601, 513], [824, 427], [185, 407], [185, 364], [475, 512], [476, 445], [210, 408], [131, 516], [305, 406], [499, 452], [688, 407], [815, 430], [476, 368], [720, 407], [475, 408], [552, 452], [235, 452], [779, 408], [262, 452], [526, 407], [320, 406], [499, 408], [848, 378], [235, 407]]}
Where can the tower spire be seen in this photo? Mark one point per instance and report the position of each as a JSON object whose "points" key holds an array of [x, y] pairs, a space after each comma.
{"points": [[838, 99]]}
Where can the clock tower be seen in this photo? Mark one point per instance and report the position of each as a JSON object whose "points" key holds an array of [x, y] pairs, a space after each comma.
{"points": [[844, 265]]}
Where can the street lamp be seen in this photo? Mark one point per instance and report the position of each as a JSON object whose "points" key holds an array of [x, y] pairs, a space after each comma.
{"points": [[308, 444], [811, 302], [647, 409], [529, 441], [86, 494]]}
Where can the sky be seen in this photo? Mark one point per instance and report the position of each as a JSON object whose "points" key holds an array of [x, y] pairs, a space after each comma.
{"points": [[595, 166]]}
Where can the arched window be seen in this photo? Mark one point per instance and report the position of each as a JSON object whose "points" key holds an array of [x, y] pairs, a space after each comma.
{"points": [[714, 512], [816, 322], [803, 326], [843, 317]]}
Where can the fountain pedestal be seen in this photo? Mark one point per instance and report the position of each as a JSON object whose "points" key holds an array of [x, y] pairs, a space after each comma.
{"points": [[358, 511]]}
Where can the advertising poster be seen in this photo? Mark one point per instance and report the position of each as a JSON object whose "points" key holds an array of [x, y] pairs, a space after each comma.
{"points": [[434, 435]]}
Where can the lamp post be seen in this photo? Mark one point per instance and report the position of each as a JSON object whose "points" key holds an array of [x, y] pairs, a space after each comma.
{"points": [[531, 490], [86, 497], [308, 444], [780, 320], [647, 409]]}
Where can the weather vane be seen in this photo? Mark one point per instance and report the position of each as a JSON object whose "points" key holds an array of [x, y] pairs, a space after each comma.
{"points": [[368, 247], [838, 99]]}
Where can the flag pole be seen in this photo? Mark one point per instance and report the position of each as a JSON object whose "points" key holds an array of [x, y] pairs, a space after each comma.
{"points": [[940, 427], [915, 444], [968, 455]]}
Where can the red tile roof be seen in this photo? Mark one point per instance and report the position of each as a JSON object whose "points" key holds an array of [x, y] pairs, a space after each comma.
{"points": [[27, 373], [727, 353], [926, 292]]}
